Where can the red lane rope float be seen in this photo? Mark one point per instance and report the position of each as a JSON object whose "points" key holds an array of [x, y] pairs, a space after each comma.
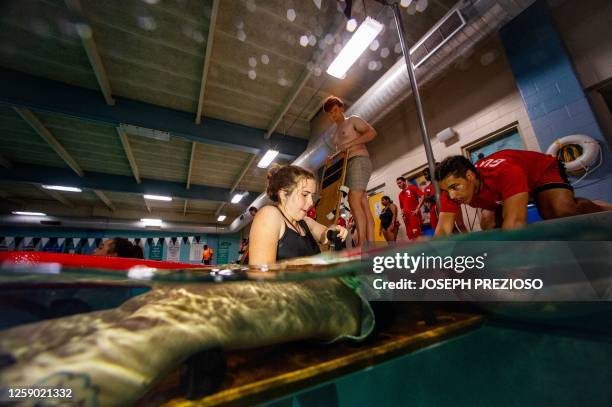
{"points": [[89, 261]]}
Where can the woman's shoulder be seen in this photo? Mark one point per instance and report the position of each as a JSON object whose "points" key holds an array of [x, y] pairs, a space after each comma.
{"points": [[269, 210], [268, 213], [267, 220]]}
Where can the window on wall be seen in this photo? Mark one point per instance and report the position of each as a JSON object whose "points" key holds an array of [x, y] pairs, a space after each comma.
{"points": [[504, 139], [416, 176]]}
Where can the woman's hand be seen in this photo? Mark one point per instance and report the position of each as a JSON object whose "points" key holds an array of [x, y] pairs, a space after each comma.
{"points": [[342, 232]]}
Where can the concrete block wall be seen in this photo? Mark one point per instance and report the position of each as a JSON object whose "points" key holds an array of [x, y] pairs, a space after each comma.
{"points": [[551, 91]]}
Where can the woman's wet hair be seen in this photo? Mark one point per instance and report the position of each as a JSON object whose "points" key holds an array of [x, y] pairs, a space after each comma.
{"points": [[285, 178], [127, 249]]}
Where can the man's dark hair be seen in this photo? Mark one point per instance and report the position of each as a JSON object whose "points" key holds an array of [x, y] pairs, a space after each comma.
{"points": [[252, 208], [401, 179], [456, 165], [125, 248]]}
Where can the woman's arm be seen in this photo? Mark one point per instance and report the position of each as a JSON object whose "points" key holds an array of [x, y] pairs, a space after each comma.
{"points": [[263, 238], [394, 211], [319, 232]]}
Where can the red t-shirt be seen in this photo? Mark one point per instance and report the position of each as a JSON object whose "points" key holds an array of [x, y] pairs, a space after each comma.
{"points": [[504, 174], [409, 198], [312, 213], [430, 192]]}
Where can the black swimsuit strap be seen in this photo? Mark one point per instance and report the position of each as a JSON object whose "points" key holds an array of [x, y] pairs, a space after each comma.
{"points": [[289, 222], [307, 232]]}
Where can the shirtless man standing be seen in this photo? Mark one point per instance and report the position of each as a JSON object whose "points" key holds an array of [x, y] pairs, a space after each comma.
{"points": [[352, 134]]}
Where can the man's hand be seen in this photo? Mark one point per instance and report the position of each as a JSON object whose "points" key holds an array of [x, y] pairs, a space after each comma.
{"points": [[446, 224]]}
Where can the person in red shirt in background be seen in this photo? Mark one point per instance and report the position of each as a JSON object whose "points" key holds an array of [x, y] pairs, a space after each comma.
{"points": [[312, 213], [409, 201], [429, 199], [503, 182]]}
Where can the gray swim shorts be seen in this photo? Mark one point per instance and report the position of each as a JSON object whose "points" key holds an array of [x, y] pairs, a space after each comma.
{"points": [[358, 171]]}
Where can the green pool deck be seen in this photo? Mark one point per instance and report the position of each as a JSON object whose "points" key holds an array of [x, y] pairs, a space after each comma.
{"points": [[494, 365]]}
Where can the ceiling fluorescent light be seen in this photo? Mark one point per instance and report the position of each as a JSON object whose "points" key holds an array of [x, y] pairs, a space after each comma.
{"points": [[62, 188], [24, 213], [358, 43], [237, 198], [221, 218], [151, 222], [266, 160], [158, 197]]}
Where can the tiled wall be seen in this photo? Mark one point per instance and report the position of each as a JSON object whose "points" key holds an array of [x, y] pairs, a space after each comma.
{"points": [[551, 91]]}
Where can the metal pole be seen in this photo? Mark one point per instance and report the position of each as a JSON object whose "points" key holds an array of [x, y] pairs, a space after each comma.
{"points": [[431, 162]]}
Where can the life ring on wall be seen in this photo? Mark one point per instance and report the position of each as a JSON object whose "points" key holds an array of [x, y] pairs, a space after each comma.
{"points": [[577, 151]]}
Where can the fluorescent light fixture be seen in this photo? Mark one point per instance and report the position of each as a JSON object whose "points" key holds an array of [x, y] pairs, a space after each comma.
{"points": [[266, 160], [158, 197], [25, 213], [221, 218], [62, 188], [238, 197], [358, 43], [151, 222]]}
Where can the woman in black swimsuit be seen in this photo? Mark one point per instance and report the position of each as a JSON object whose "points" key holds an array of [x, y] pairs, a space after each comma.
{"points": [[388, 220], [282, 231]]}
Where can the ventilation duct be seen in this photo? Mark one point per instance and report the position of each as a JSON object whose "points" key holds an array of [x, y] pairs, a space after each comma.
{"points": [[439, 35]]}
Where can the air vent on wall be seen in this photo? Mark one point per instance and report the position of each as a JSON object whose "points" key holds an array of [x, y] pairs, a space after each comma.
{"points": [[439, 35]]}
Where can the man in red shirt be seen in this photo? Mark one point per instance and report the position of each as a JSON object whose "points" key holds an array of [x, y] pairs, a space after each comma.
{"points": [[502, 183], [429, 199], [409, 202]]}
